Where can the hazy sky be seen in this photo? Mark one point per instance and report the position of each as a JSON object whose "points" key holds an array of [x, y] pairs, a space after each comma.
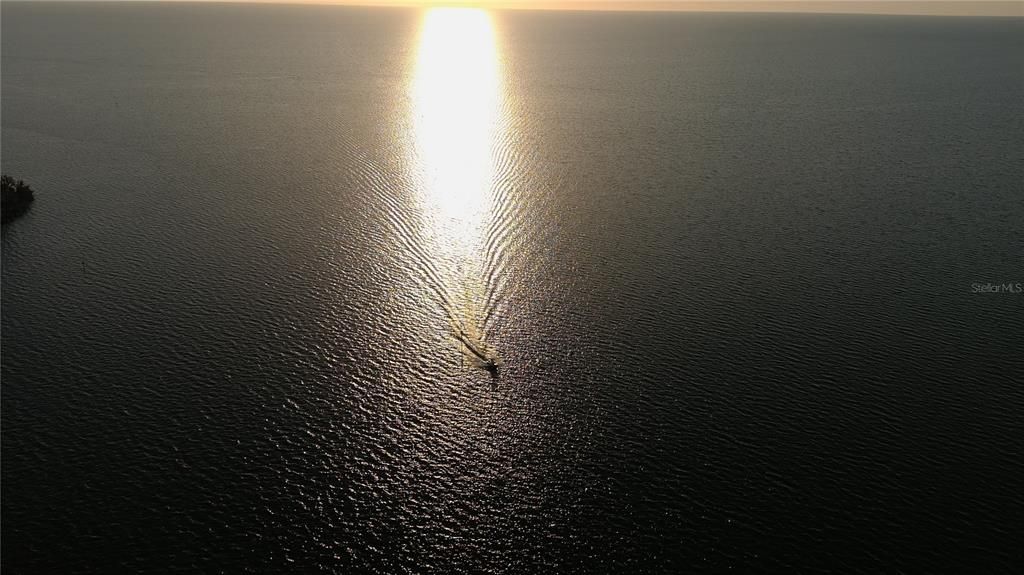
{"points": [[937, 7], [961, 7]]}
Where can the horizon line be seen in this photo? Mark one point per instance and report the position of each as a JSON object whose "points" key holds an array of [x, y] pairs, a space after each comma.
{"points": [[967, 8]]}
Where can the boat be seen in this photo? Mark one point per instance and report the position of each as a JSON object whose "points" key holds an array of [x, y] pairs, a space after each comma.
{"points": [[490, 363]]}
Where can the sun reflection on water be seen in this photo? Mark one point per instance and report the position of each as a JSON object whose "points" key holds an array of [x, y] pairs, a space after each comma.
{"points": [[456, 100], [456, 103]]}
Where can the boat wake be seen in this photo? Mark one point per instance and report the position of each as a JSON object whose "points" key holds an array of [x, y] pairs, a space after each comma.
{"points": [[476, 350]]}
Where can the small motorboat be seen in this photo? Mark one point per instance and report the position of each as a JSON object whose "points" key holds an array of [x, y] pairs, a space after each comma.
{"points": [[491, 366], [487, 360]]}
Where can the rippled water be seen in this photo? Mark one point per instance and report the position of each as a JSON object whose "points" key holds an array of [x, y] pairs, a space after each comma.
{"points": [[727, 264]]}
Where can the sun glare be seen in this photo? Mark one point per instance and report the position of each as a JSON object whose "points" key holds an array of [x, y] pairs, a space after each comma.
{"points": [[456, 110], [456, 94]]}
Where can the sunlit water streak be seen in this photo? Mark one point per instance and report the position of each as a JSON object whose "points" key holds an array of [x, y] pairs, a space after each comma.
{"points": [[457, 107], [731, 260]]}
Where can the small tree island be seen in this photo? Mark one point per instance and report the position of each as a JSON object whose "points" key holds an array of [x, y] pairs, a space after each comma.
{"points": [[15, 197]]}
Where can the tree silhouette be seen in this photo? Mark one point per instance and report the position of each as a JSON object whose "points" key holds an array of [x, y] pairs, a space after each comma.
{"points": [[15, 197]]}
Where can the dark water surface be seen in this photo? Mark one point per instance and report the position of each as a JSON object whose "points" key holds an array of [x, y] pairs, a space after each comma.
{"points": [[726, 262]]}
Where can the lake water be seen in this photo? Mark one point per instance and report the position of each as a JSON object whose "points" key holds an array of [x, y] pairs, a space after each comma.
{"points": [[735, 268]]}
